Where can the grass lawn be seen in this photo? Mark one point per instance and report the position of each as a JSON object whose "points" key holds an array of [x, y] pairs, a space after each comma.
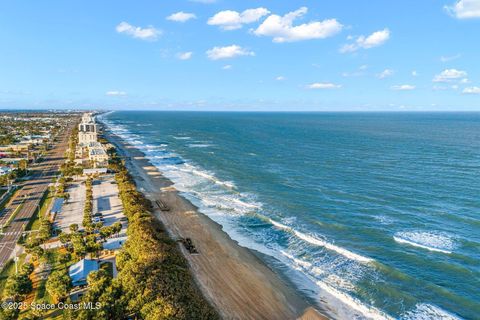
{"points": [[12, 216], [34, 224], [46, 203]]}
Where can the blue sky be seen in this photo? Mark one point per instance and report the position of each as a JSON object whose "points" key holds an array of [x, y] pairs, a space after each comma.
{"points": [[338, 55]]}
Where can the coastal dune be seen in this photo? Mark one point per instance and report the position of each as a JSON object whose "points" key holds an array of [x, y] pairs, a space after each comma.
{"points": [[237, 283]]}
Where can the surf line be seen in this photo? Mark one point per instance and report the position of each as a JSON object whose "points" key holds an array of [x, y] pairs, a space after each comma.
{"points": [[419, 245], [321, 243]]}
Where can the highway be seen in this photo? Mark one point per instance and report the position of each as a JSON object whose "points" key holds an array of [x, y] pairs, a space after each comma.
{"points": [[27, 199]]}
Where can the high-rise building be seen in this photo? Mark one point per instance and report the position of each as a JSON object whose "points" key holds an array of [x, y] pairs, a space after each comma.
{"points": [[87, 130]]}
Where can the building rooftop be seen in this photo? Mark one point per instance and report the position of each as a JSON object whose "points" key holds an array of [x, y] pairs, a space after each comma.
{"points": [[97, 152], [114, 243], [80, 270]]}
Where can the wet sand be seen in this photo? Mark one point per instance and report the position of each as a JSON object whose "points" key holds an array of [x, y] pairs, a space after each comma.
{"points": [[237, 283]]}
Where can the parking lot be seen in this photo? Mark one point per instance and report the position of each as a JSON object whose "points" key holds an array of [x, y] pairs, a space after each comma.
{"points": [[106, 201], [72, 211]]}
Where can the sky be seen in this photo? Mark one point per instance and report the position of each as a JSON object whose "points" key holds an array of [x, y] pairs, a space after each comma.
{"points": [[245, 55]]}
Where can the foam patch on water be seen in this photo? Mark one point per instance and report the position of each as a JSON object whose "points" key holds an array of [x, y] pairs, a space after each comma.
{"points": [[199, 145], [425, 311], [433, 241]]}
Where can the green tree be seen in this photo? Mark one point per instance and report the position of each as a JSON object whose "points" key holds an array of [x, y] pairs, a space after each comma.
{"points": [[18, 285], [58, 284], [64, 237], [73, 227]]}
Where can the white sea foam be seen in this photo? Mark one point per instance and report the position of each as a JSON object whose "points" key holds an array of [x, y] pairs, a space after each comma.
{"points": [[425, 311], [318, 242], [207, 175], [433, 241], [355, 304], [199, 145], [336, 287], [299, 262], [182, 138], [383, 219]]}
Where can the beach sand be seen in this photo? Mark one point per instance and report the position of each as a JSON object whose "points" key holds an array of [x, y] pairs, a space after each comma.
{"points": [[237, 283]]}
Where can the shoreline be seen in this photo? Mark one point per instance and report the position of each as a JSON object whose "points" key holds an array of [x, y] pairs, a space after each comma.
{"points": [[233, 278]]}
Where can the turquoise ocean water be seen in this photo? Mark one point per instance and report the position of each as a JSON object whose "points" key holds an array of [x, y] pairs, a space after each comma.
{"points": [[376, 214]]}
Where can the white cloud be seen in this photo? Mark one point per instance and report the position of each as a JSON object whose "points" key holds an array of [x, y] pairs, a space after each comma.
{"points": [[115, 93], [366, 42], [323, 85], [281, 28], [464, 9], [231, 20], [403, 87], [450, 58], [227, 67], [217, 53], [363, 67], [385, 74], [181, 16], [472, 90], [449, 75], [149, 33], [414, 73], [184, 55], [280, 78]]}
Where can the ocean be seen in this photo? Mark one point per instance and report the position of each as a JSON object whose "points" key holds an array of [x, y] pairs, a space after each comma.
{"points": [[376, 214]]}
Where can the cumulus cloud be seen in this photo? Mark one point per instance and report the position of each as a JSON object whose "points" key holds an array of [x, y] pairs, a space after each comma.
{"points": [[231, 20], [464, 9], [414, 73], [385, 74], [280, 78], [227, 67], [366, 42], [148, 33], [281, 28], [217, 53], [323, 85], [115, 93], [472, 90], [184, 55], [449, 75], [403, 87], [181, 16]]}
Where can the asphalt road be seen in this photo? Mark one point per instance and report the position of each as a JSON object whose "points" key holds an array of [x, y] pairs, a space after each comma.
{"points": [[27, 199]]}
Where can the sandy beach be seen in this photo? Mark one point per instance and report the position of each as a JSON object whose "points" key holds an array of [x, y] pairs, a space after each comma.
{"points": [[237, 283]]}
